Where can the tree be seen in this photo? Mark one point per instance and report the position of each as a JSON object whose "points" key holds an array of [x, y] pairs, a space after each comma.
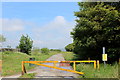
{"points": [[45, 50], [98, 25], [25, 44], [2, 38], [69, 47]]}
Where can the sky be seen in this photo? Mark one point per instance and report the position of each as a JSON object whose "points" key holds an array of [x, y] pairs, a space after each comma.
{"points": [[48, 24]]}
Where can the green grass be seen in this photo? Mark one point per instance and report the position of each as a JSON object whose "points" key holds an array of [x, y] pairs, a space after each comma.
{"points": [[68, 56], [0, 55], [104, 72], [43, 57], [110, 71], [30, 75], [12, 61]]}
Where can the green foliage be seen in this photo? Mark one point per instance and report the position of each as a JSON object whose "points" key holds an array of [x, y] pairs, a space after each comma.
{"points": [[2, 38], [0, 55], [97, 26], [8, 52], [45, 50], [109, 71], [69, 56], [58, 50], [69, 47], [25, 44], [35, 51], [12, 62], [30, 75]]}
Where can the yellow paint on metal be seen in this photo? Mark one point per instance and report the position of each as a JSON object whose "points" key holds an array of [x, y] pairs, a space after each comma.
{"points": [[94, 64], [54, 65], [57, 68], [23, 68], [98, 65], [58, 61], [104, 57], [74, 66]]}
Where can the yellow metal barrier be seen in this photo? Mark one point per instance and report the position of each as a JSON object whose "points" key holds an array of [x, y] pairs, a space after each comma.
{"points": [[98, 64], [55, 62]]}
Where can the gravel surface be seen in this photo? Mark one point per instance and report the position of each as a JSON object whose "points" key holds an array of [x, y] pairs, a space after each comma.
{"points": [[45, 72]]}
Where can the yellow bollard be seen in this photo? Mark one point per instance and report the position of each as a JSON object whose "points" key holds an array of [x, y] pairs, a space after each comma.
{"points": [[88, 60], [23, 68], [94, 64], [54, 64], [74, 65], [98, 65]]}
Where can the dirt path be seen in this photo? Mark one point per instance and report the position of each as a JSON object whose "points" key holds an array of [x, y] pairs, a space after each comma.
{"points": [[49, 72], [44, 72]]}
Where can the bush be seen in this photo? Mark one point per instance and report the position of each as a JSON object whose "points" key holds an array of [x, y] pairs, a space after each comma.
{"points": [[70, 47], [35, 52], [25, 44], [45, 50], [8, 52], [58, 50]]}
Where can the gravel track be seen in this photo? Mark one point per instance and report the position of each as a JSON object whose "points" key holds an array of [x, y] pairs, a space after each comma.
{"points": [[44, 72]]}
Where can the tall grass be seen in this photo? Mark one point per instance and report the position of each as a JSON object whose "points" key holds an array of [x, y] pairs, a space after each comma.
{"points": [[68, 56], [12, 61], [107, 71], [0, 55]]}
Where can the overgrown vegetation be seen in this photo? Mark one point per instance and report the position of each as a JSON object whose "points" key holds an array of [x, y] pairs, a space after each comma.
{"points": [[12, 61], [2, 38], [70, 47], [30, 75], [58, 50], [69, 56], [97, 26], [45, 50], [0, 55], [25, 45], [109, 71]]}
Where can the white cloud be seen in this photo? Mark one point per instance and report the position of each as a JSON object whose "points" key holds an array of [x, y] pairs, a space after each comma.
{"points": [[55, 34], [12, 24]]}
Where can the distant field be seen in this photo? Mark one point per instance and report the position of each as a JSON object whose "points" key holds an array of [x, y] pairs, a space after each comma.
{"points": [[68, 56], [0, 62], [12, 61], [109, 71], [0, 55]]}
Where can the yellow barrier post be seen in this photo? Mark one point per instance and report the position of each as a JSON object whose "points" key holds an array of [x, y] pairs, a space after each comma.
{"points": [[54, 64], [23, 68], [89, 59], [98, 65], [94, 64], [74, 65]]}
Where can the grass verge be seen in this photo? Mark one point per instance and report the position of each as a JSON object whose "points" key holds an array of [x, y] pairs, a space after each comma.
{"points": [[30, 75], [109, 71], [12, 61], [68, 56]]}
